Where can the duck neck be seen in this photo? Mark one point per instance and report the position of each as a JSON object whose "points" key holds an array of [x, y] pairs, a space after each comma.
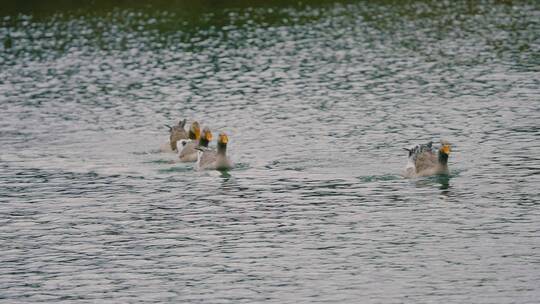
{"points": [[221, 148], [203, 142], [443, 158]]}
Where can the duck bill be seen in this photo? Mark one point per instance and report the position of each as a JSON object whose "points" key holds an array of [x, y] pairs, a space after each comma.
{"points": [[446, 149]]}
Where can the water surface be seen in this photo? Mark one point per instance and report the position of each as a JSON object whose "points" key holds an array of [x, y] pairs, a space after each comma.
{"points": [[318, 101]]}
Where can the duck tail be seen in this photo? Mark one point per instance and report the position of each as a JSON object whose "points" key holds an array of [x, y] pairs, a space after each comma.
{"points": [[409, 150], [182, 123]]}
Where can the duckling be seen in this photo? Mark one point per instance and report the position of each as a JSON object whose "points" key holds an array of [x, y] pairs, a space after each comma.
{"points": [[424, 160], [176, 133], [214, 160], [188, 153]]}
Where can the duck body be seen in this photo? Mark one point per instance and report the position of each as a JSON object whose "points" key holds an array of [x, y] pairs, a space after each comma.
{"points": [[212, 160], [424, 160], [188, 151], [208, 159], [176, 133]]}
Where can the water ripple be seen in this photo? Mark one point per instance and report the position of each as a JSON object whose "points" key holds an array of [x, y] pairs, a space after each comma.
{"points": [[318, 101]]}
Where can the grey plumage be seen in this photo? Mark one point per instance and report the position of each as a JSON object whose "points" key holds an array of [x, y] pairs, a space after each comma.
{"points": [[177, 133], [188, 152], [208, 159], [425, 160]]}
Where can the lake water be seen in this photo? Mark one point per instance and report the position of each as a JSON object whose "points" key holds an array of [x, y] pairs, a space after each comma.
{"points": [[318, 101]]}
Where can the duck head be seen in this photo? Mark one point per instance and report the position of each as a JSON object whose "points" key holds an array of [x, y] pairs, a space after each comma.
{"points": [[206, 137], [195, 131], [222, 143], [444, 151]]}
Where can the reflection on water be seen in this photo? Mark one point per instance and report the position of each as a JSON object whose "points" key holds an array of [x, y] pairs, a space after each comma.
{"points": [[225, 175], [318, 99], [442, 181]]}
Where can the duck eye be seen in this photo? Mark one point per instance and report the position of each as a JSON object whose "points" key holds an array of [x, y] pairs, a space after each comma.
{"points": [[183, 143]]}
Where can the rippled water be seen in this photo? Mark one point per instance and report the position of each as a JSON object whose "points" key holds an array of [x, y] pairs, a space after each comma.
{"points": [[318, 102]]}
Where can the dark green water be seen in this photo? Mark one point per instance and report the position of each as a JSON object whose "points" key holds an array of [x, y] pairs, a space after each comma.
{"points": [[318, 100]]}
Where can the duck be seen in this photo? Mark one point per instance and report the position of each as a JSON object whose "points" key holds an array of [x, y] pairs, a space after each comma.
{"points": [[208, 159], [194, 131], [176, 133], [188, 153], [425, 160], [181, 144]]}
